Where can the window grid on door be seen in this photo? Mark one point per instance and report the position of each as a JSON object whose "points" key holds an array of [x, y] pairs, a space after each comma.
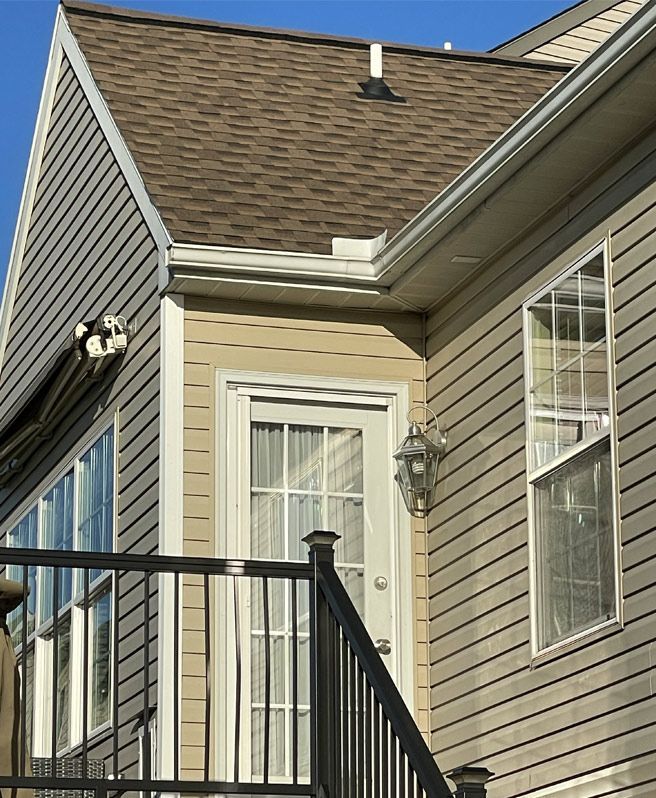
{"points": [[312, 479]]}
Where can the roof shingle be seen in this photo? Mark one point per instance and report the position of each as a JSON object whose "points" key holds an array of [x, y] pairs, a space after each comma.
{"points": [[256, 138]]}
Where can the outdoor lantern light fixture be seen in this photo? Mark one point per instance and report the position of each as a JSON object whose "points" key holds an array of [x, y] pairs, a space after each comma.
{"points": [[416, 459]]}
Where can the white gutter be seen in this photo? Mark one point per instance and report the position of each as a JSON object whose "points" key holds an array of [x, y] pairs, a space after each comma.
{"points": [[231, 259], [526, 137]]}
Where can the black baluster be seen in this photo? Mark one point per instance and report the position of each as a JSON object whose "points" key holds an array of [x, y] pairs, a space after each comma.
{"points": [[208, 674], [235, 586], [176, 675], [267, 676]]}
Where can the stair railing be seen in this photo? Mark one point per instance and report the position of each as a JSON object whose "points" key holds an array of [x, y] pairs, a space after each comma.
{"points": [[365, 742]]}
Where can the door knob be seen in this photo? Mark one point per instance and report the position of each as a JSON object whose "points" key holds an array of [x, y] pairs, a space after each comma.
{"points": [[383, 646]]}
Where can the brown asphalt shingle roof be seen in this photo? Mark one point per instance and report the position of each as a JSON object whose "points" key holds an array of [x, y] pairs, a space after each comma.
{"points": [[256, 138]]}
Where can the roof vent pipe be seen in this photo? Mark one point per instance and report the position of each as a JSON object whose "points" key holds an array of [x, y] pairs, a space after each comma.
{"points": [[375, 88], [376, 61]]}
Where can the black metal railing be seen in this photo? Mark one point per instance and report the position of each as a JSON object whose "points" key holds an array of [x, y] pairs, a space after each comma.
{"points": [[273, 685], [367, 743]]}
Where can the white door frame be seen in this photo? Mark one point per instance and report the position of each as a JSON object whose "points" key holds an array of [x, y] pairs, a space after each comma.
{"points": [[392, 395]]}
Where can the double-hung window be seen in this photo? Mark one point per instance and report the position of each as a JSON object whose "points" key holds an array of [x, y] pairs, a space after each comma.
{"points": [[74, 514], [570, 454]]}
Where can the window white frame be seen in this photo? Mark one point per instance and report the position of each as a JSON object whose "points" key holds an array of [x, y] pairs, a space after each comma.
{"points": [[394, 396], [534, 474], [41, 639]]}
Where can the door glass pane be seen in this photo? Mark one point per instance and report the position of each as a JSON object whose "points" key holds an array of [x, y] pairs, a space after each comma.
{"points": [[576, 550], [267, 455], [345, 460], [268, 525], [303, 477], [305, 514], [305, 457]]}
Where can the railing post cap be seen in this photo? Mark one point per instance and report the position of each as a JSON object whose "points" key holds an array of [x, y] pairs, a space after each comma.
{"points": [[321, 540], [469, 775]]}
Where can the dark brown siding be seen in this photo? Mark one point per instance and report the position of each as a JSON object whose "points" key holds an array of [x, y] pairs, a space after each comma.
{"points": [[589, 711]]}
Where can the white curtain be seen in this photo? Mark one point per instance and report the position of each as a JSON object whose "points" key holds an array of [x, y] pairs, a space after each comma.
{"points": [[303, 477]]}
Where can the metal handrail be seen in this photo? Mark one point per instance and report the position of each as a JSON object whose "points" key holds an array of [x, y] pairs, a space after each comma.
{"points": [[333, 618], [156, 563]]}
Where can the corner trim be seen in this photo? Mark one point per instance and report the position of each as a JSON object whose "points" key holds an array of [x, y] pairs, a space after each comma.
{"points": [[171, 470]]}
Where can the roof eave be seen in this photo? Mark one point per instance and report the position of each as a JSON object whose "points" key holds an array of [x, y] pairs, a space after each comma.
{"points": [[566, 101]]}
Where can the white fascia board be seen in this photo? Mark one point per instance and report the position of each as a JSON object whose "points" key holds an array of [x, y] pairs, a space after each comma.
{"points": [[531, 132], [113, 135], [29, 188]]}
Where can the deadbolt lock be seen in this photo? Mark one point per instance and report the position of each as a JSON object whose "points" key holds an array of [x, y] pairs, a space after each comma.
{"points": [[383, 646]]}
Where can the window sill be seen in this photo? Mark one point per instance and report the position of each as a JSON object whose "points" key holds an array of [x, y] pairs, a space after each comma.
{"points": [[554, 652], [96, 737]]}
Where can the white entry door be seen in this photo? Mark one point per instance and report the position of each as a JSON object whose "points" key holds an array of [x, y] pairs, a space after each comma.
{"points": [[305, 465]]}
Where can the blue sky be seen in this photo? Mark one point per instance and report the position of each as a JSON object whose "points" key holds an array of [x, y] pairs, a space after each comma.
{"points": [[27, 26]]}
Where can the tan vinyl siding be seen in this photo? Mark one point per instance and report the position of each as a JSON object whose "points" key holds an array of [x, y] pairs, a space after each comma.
{"points": [[581, 724], [251, 337], [576, 44]]}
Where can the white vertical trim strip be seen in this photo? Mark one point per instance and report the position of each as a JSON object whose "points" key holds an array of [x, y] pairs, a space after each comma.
{"points": [[171, 453], [614, 434]]}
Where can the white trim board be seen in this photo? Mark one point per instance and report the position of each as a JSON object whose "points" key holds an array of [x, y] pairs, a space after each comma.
{"points": [[171, 456], [64, 44]]}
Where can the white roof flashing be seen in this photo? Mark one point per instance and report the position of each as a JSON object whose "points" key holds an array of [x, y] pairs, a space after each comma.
{"points": [[359, 247]]}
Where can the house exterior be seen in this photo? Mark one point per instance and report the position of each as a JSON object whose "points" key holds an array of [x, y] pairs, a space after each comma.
{"points": [[569, 37], [236, 269]]}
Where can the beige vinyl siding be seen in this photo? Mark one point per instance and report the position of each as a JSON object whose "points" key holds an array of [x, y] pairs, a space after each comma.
{"points": [[286, 340], [589, 711], [577, 43]]}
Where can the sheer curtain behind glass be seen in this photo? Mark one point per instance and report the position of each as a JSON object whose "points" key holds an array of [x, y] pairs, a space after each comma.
{"points": [[303, 477]]}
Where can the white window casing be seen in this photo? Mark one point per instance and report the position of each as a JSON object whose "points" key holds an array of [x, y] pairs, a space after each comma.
{"points": [[70, 605], [571, 454]]}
